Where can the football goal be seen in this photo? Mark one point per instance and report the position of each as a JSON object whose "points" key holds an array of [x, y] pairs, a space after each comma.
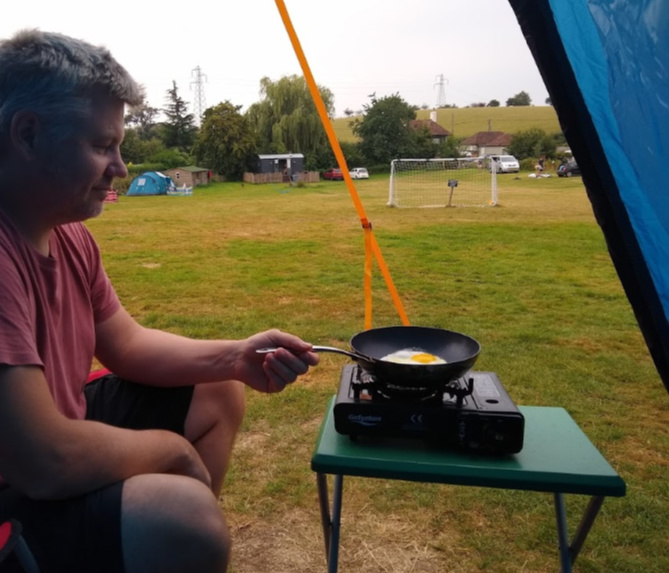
{"points": [[458, 182]]}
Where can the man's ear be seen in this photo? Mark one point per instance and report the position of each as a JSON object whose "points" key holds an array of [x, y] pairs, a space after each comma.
{"points": [[24, 130]]}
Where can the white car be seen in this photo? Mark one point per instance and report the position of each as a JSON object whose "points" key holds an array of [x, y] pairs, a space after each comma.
{"points": [[504, 163], [359, 173]]}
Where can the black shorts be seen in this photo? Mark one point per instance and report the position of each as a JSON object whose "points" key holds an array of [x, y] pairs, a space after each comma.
{"points": [[83, 534]]}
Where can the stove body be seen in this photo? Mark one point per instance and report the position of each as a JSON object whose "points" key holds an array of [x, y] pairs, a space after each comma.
{"points": [[473, 413]]}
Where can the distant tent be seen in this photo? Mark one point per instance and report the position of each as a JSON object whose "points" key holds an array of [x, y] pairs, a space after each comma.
{"points": [[151, 183], [605, 66]]}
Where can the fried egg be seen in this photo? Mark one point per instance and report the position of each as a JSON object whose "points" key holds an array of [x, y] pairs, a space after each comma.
{"points": [[413, 356]]}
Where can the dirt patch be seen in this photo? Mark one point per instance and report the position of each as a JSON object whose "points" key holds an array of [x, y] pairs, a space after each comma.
{"points": [[295, 545]]}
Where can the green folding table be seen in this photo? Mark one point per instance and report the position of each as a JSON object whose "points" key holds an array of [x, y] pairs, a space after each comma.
{"points": [[557, 457]]}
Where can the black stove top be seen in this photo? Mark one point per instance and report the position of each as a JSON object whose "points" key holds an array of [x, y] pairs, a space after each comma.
{"points": [[473, 413]]}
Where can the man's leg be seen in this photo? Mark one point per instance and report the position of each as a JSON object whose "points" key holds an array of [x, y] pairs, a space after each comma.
{"points": [[215, 415], [172, 524]]}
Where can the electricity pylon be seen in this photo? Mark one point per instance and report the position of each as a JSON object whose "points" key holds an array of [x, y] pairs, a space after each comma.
{"points": [[441, 96], [199, 105]]}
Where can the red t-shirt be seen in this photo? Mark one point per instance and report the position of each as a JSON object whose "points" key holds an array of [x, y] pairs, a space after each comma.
{"points": [[49, 307]]}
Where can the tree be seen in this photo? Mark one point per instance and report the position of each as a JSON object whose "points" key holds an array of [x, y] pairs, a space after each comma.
{"points": [[532, 143], [179, 129], [286, 119], [450, 147], [520, 99], [226, 143], [136, 150], [385, 130], [493, 103], [142, 118], [548, 101]]}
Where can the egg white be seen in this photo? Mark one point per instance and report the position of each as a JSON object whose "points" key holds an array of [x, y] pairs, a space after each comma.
{"points": [[406, 356]]}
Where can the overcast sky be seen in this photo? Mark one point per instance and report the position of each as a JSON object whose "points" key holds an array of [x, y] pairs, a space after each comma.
{"points": [[473, 48]]}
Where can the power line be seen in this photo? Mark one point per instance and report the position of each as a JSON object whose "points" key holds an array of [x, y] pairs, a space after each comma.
{"points": [[200, 103]]}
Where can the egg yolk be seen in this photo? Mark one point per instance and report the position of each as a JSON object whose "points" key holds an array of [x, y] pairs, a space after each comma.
{"points": [[424, 358]]}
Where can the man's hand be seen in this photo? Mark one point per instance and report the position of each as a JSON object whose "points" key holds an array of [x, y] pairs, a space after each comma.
{"points": [[273, 371]]}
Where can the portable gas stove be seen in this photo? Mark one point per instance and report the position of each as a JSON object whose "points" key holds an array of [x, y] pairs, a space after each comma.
{"points": [[473, 413]]}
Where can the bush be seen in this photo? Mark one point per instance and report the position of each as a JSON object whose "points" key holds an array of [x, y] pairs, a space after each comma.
{"points": [[123, 184], [380, 168], [140, 168], [527, 164]]}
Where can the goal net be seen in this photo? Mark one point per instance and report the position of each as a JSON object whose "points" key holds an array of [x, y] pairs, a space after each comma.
{"points": [[459, 182]]}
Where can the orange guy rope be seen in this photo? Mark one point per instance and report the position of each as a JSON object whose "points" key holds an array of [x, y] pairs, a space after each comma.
{"points": [[370, 240]]}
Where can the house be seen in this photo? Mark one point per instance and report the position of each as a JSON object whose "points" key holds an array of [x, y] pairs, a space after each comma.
{"points": [[190, 176], [287, 163], [281, 168], [437, 133], [486, 143]]}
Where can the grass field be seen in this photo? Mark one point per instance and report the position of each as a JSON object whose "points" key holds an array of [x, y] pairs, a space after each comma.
{"points": [[463, 122], [530, 279]]}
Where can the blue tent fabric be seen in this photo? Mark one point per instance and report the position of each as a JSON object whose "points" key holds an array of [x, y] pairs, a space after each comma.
{"points": [[606, 67], [151, 183]]}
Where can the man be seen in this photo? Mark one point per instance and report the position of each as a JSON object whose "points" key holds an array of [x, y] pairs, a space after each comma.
{"points": [[113, 475]]}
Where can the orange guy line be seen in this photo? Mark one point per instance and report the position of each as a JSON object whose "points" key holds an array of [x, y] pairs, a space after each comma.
{"points": [[341, 160]]}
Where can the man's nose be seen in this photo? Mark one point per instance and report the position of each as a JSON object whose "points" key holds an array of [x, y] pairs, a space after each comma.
{"points": [[117, 167]]}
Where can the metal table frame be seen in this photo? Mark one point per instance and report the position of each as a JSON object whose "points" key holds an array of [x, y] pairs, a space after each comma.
{"points": [[557, 457]]}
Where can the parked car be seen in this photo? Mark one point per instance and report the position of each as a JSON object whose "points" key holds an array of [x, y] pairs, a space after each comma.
{"points": [[333, 175], [359, 173], [504, 163], [568, 169]]}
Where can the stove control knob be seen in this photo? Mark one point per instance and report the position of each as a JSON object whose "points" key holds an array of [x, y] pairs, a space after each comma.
{"points": [[496, 433]]}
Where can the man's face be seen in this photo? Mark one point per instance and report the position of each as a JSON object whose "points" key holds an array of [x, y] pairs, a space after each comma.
{"points": [[79, 170]]}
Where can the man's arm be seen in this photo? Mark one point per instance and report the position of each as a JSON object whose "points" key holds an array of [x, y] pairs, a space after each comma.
{"points": [[48, 456], [160, 358]]}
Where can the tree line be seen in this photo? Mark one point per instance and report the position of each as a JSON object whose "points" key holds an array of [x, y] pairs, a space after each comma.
{"points": [[285, 120]]}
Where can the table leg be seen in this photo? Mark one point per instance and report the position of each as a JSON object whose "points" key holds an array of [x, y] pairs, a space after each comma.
{"points": [[584, 527], [332, 523], [569, 552], [326, 521], [563, 540]]}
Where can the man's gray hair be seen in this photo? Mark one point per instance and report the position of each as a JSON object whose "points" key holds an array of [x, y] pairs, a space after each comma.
{"points": [[56, 77]]}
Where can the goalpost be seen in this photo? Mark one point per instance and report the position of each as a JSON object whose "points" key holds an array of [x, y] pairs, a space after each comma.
{"points": [[453, 182]]}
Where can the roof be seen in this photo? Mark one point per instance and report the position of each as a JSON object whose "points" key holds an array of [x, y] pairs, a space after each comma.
{"points": [[282, 156], [432, 126], [489, 139]]}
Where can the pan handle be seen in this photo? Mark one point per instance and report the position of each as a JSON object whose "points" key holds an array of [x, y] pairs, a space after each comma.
{"points": [[321, 349]]}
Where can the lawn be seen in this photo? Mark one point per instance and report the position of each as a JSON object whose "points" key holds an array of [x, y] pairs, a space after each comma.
{"points": [[530, 279]]}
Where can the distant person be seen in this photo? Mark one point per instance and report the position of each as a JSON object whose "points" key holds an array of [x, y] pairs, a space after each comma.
{"points": [[539, 168], [121, 474]]}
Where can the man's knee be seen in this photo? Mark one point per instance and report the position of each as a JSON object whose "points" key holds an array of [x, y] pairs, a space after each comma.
{"points": [[233, 402], [172, 523], [221, 404]]}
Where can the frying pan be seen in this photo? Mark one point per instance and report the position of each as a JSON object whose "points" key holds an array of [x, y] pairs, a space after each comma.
{"points": [[370, 346], [458, 350]]}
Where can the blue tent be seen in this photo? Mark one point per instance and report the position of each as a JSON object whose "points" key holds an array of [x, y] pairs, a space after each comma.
{"points": [[151, 183], [606, 67]]}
